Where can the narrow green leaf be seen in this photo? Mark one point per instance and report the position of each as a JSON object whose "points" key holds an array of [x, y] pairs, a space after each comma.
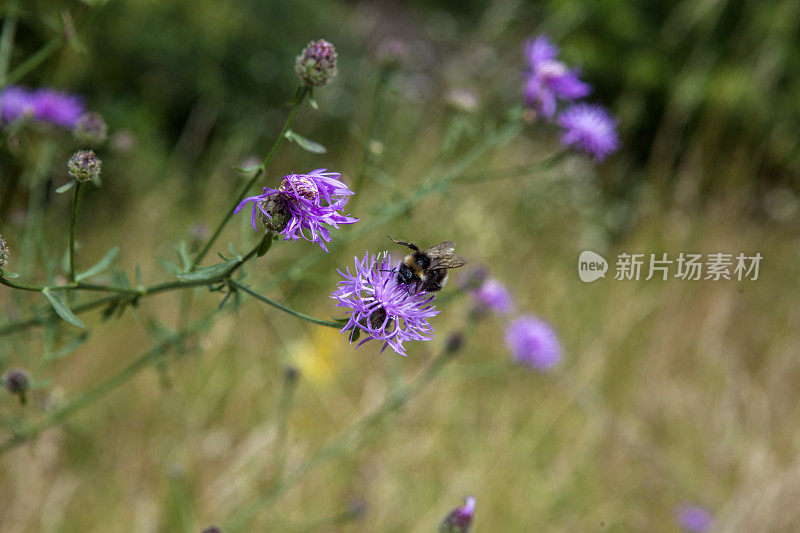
{"points": [[61, 308], [355, 334], [67, 186], [100, 266], [305, 144], [207, 273], [68, 348], [119, 277], [139, 276], [264, 245], [8, 275], [312, 100], [169, 267], [182, 249]]}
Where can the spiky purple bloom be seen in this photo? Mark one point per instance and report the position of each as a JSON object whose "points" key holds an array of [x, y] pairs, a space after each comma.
{"points": [[44, 105], [694, 519], [533, 343], [383, 308], [494, 296], [589, 128], [303, 203], [548, 79], [460, 519]]}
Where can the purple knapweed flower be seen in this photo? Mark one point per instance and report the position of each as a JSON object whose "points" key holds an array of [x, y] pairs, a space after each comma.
{"points": [[382, 307], [303, 203], [549, 79], [460, 519], [589, 128], [694, 519], [533, 343], [493, 296], [44, 105]]}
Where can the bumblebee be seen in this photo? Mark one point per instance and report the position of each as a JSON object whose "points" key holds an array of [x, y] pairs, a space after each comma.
{"points": [[428, 269]]}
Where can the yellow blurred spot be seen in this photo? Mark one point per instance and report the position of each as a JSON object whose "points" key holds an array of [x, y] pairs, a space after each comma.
{"points": [[312, 356]]}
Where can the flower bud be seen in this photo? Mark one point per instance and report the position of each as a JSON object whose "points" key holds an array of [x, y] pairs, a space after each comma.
{"points": [[16, 382], [3, 253], [291, 374], [460, 519], [212, 529], [316, 66], [455, 342], [91, 129], [84, 166]]}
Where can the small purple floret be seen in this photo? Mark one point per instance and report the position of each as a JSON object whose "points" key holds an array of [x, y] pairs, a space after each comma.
{"points": [[44, 105], [306, 202], [460, 519], [533, 343], [381, 307], [589, 128], [548, 79], [494, 296], [694, 519]]}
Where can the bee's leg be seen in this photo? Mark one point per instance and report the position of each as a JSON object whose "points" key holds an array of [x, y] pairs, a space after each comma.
{"points": [[404, 243]]}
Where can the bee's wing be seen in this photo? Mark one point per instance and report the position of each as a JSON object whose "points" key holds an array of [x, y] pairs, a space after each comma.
{"points": [[448, 261], [442, 249]]}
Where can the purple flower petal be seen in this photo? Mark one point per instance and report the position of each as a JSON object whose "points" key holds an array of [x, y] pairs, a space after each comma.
{"points": [[589, 128], [533, 343]]}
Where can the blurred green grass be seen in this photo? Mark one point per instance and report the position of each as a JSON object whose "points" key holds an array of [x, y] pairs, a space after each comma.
{"points": [[669, 392]]}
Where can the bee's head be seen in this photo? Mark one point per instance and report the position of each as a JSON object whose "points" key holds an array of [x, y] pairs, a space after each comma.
{"points": [[405, 274]]}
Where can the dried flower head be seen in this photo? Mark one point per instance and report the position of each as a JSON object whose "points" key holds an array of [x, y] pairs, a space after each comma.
{"points": [[84, 166], [4, 253], [460, 519], [548, 79], [303, 203], [533, 343], [694, 519], [589, 128], [493, 296], [16, 381], [381, 307], [91, 129], [316, 65]]}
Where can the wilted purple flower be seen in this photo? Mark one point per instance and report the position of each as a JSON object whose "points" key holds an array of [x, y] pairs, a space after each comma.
{"points": [[303, 202], [16, 381], [494, 296], [316, 65], [383, 308], [589, 128], [549, 79], [45, 105], [91, 129], [533, 343], [460, 519], [694, 519]]}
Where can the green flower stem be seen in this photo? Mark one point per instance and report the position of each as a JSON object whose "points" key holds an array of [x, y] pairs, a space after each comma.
{"points": [[7, 37], [73, 217], [33, 61], [389, 212], [89, 397], [297, 101], [352, 438], [298, 314], [118, 290]]}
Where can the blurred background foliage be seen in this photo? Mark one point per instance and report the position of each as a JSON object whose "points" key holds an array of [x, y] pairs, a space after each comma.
{"points": [[669, 392]]}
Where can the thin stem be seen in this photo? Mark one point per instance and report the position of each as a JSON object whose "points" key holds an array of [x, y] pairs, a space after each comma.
{"points": [[352, 438], [73, 217], [285, 405], [369, 133], [297, 101], [33, 61], [7, 38], [298, 314], [89, 397]]}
